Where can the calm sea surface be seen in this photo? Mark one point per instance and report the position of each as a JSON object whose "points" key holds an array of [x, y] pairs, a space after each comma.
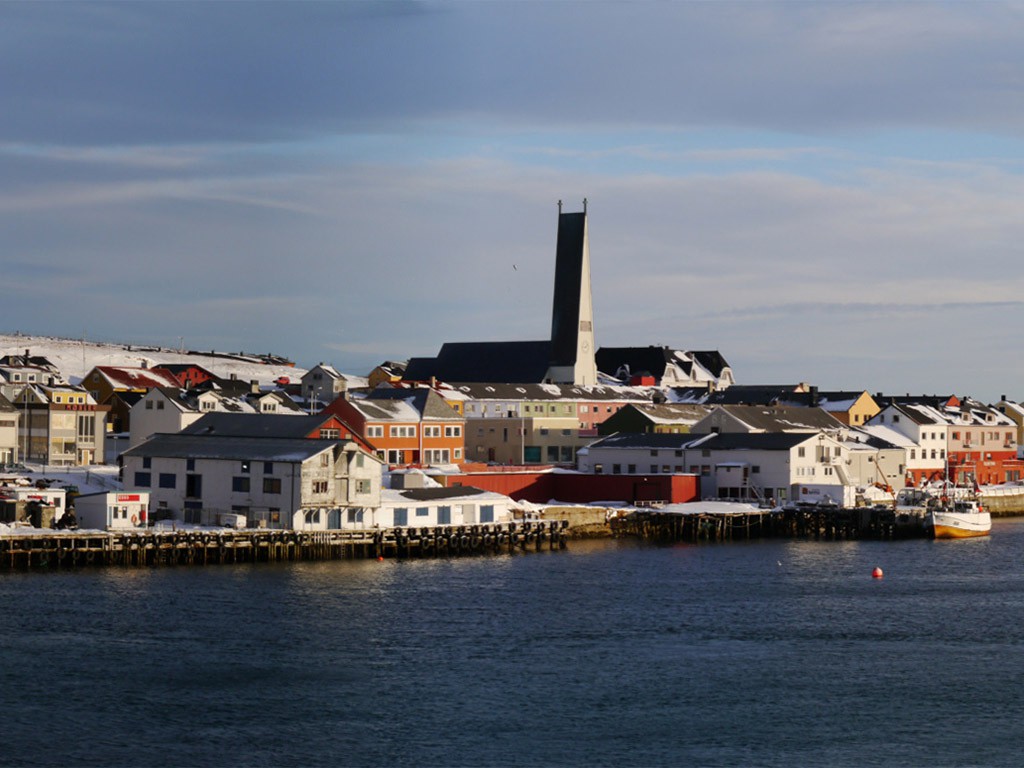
{"points": [[613, 653]]}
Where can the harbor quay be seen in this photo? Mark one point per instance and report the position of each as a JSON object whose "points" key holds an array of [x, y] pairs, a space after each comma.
{"points": [[81, 549]]}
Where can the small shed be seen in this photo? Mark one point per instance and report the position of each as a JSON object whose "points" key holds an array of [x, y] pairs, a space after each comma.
{"points": [[112, 510]]}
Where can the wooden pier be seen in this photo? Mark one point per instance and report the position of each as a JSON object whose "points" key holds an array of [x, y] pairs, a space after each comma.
{"points": [[802, 521], [73, 549]]}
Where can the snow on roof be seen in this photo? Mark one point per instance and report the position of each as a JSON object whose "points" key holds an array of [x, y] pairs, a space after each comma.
{"points": [[136, 378], [890, 435]]}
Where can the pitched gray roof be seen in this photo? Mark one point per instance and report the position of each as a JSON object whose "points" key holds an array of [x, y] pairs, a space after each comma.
{"points": [[255, 425], [181, 446]]}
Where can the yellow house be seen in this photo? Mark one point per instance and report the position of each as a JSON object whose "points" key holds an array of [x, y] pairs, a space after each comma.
{"points": [[850, 407]]}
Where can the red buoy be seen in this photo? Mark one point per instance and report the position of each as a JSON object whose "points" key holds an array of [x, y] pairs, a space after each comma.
{"points": [[877, 573], [380, 558]]}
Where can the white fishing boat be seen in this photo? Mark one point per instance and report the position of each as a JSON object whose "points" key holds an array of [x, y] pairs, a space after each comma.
{"points": [[946, 513], [959, 519]]}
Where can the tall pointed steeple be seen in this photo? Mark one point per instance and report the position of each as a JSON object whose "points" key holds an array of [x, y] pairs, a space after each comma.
{"points": [[572, 313]]}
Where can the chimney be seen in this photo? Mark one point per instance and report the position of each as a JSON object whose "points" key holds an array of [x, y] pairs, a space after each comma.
{"points": [[26, 357], [254, 386], [814, 397]]}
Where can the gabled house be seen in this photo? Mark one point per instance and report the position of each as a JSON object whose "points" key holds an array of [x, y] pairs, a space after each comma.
{"points": [[405, 426], [104, 380], [266, 482], [388, 372], [322, 384]]}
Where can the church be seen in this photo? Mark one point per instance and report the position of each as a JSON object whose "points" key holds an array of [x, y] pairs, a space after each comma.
{"points": [[568, 357]]}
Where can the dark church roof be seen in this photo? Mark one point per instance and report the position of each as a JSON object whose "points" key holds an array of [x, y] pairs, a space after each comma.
{"points": [[510, 362]]}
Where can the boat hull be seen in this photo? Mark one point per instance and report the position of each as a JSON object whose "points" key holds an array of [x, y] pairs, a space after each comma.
{"points": [[960, 525]]}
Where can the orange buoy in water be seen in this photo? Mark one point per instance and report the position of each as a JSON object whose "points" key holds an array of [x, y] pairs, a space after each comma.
{"points": [[380, 558], [877, 573]]}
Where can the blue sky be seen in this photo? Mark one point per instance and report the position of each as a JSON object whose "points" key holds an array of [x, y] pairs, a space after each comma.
{"points": [[824, 192]]}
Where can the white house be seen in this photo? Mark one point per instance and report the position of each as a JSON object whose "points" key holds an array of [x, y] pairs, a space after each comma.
{"points": [[783, 466], [292, 483]]}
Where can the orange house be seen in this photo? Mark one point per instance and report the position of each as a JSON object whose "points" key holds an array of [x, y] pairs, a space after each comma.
{"points": [[405, 426]]}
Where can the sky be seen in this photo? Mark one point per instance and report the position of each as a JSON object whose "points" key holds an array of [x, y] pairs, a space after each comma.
{"points": [[824, 192]]}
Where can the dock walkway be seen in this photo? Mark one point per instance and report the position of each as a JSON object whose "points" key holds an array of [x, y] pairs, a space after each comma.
{"points": [[801, 521], [81, 549]]}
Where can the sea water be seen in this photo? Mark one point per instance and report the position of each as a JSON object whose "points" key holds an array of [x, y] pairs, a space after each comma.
{"points": [[613, 653]]}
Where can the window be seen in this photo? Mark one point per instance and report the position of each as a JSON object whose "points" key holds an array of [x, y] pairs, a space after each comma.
{"points": [[268, 467], [431, 431], [320, 486], [422, 511], [355, 516], [330, 434], [271, 484], [801, 452], [190, 465], [147, 462], [401, 516], [142, 479], [755, 469], [362, 486], [598, 469], [168, 480], [402, 431], [616, 469], [240, 484], [245, 467], [453, 431], [325, 460], [654, 454], [631, 469], [159, 405], [149, 405], [377, 431]]}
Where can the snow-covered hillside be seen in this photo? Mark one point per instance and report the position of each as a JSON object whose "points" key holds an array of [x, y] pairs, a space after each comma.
{"points": [[75, 358]]}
